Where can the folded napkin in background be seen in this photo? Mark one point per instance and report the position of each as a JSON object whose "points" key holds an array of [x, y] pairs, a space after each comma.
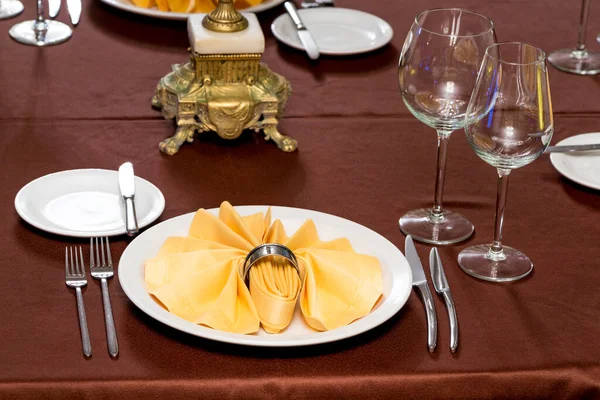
{"points": [[198, 277]]}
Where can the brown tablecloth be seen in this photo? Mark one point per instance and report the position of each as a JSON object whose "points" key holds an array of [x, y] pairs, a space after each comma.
{"points": [[362, 156]]}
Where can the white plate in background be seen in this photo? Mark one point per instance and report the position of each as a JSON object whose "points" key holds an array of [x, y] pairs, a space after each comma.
{"points": [[337, 31], [85, 203], [396, 273], [582, 167]]}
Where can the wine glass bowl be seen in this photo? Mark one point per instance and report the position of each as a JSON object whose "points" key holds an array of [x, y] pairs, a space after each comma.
{"points": [[511, 128], [439, 65], [437, 71], [509, 125]]}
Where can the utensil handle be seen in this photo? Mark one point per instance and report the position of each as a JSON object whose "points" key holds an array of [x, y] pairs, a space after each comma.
{"points": [[131, 225], [111, 332], [575, 147], [83, 327], [453, 321], [431, 316], [291, 9]]}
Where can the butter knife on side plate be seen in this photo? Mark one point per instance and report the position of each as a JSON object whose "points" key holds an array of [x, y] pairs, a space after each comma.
{"points": [[420, 282], [127, 186], [310, 46], [440, 283]]}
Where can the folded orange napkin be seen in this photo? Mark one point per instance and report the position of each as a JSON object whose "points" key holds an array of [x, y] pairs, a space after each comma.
{"points": [[198, 277]]}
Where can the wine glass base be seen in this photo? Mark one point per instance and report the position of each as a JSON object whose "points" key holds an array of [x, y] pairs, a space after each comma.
{"points": [[575, 61], [453, 228], [24, 33], [475, 261], [10, 8]]}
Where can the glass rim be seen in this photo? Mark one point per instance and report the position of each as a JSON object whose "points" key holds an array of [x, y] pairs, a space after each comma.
{"points": [[490, 29], [542, 53]]}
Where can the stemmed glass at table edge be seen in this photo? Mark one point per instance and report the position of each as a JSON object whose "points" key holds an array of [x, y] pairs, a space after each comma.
{"points": [[578, 60], [41, 31], [436, 225]]}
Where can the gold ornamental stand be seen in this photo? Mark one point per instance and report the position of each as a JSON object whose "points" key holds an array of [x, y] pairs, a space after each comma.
{"points": [[225, 93]]}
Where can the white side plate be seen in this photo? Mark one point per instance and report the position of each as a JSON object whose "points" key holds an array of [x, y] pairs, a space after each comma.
{"points": [[127, 5], [581, 167], [85, 203], [337, 31], [397, 277]]}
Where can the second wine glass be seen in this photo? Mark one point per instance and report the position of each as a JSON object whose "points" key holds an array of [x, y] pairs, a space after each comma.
{"points": [[510, 124], [437, 71]]}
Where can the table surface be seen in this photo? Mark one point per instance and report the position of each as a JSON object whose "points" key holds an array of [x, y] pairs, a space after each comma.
{"points": [[362, 156]]}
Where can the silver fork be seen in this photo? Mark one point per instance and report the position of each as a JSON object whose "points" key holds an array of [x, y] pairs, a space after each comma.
{"points": [[102, 269], [75, 273], [317, 3]]}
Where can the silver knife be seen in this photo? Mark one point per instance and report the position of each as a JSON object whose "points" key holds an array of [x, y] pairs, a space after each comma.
{"points": [[575, 147], [53, 8], [127, 186], [306, 38], [440, 283], [420, 281], [74, 7]]}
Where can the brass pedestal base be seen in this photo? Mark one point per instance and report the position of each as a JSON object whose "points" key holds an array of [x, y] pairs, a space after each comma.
{"points": [[226, 94]]}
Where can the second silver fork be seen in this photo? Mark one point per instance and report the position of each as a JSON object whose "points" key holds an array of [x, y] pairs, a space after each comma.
{"points": [[101, 268]]}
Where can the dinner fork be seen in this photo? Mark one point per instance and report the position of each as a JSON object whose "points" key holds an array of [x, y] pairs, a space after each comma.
{"points": [[75, 273], [102, 269]]}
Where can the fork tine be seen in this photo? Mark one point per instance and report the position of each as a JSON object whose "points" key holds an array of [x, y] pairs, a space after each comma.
{"points": [[82, 263], [103, 259], [97, 252], [71, 261], [91, 253], [76, 263], [66, 260], [108, 256]]}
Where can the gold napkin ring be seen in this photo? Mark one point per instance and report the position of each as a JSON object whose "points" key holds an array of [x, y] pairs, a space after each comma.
{"points": [[268, 250]]}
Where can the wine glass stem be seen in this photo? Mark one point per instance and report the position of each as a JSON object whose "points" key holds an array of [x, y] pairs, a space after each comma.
{"points": [[40, 11], [437, 214], [585, 11], [496, 252]]}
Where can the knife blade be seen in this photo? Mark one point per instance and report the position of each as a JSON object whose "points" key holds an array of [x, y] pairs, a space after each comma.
{"points": [[440, 283], [127, 187], [306, 38], [575, 147], [420, 282], [74, 7], [53, 8]]}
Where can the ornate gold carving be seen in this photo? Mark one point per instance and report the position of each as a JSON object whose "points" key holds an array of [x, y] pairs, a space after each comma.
{"points": [[225, 18], [226, 94]]}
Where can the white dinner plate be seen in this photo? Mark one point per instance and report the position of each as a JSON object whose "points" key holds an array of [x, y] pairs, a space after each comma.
{"points": [[581, 167], [127, 5], [397, 277], [85, 203], [337, 31]]}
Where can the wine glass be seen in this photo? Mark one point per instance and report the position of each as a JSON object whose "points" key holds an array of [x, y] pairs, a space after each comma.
{"points": [[437, 72], [509, 124], [578, 60], [41, 31], [10, 8]]}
